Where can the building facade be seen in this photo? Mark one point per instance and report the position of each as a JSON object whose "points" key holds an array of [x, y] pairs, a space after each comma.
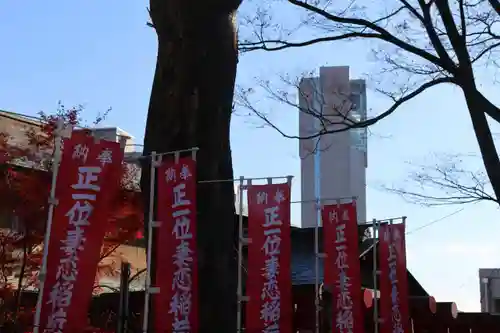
{"points": [[489, 290], [328, 102], [16, 127], [17, 130]]}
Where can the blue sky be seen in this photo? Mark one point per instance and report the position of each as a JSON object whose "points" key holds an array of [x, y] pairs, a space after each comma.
{"points": [[102, 54]]}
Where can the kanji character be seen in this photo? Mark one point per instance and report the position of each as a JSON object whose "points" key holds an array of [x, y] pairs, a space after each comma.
{"points": [[80, 152], [86, 177]]}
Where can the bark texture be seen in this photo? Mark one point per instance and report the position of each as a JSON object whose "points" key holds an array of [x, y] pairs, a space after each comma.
{"points": [[191, 106]]}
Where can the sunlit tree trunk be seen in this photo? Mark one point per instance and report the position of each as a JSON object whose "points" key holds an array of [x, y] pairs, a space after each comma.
{"points": [[191, 105]]}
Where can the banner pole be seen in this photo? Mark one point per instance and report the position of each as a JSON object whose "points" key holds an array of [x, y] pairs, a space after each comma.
{"points": [[240, 256], [317, 188], [155, 160], [124, 295], [316, 267], [375, 274], [58, 135]]}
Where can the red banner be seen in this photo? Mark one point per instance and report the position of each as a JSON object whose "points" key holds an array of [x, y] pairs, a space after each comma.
{"points": [[88, 179], [269, 284], [176, 306], [341, 266], [394, 308]]}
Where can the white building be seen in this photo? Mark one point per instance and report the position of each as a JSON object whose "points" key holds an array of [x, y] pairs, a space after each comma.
{"points": [[115, 134], [489, 290], [335, 97]]}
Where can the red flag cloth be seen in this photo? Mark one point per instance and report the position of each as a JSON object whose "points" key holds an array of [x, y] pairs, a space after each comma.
{"points": [[341, 266], [269, 284], [394, 307], [87, 182], [176, 306]]}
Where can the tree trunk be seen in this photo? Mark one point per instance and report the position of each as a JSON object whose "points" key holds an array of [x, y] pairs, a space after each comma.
{"points": [[191, 106], [477, 105]]}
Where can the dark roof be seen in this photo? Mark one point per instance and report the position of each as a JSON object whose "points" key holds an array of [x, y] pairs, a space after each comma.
{"points": [[303, 260]]}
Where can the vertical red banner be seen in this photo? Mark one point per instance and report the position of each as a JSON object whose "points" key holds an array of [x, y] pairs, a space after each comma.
{"points": [[88, 179], [269, 284], [394, 307], [341, 266], [176, 306]]}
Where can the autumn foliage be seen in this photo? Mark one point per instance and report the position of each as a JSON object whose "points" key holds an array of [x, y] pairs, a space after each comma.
{"points": [[25, 179]]}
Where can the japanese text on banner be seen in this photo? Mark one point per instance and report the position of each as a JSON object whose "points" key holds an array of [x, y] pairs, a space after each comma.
{"points": [[342, 269], [271, 307], [70, 259], [269, 229], [177, 260], [394, 294]]}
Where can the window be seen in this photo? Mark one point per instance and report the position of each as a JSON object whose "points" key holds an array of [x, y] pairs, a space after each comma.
{"points": [[358, 113], [356, 101], [496, 305]]}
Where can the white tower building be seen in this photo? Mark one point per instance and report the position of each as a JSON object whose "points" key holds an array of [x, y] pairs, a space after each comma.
{"points": [[343, 156]]}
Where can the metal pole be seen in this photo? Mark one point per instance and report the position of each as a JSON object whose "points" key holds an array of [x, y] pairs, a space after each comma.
{"points": [[317, 190], [391, 237], [52, 203], [126, 298], [244, 241], [124, 294], [375, 275], [316, 269], [239, 291], [154, 164]]}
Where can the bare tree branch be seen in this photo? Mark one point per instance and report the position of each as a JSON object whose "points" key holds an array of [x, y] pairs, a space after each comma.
{"points": [[278, 45], [136, 275], [442, 38], [446, 183], [346, 123], [364, 25], [102, 286], [109, 251], [418, 44]]}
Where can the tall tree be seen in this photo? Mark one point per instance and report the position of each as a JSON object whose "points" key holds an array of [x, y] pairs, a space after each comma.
{"points": [[191, 106], [420, 44]]}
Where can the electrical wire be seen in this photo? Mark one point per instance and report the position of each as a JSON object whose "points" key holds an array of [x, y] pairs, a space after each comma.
{"points": [[434, 221]]}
